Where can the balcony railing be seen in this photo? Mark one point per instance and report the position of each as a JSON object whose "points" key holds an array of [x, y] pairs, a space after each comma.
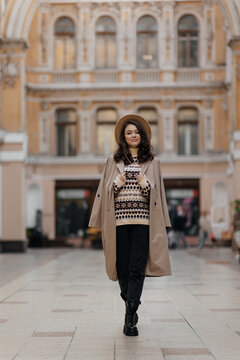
{"points": [[188, 76], [147, 76], [65, 77], [105, 77]]}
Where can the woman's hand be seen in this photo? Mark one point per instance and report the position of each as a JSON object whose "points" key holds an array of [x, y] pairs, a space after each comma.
{"points": [[122, 177], [140, 177]]}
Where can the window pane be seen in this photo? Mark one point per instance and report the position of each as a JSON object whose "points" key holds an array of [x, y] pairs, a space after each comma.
{"points": [[188, 114], [59, 54], [106, 50], [147, 23], [155, 140], [105, 139], [147, 51], [194, 139], [111, 51], [150, 114], [70, 54], [188, 41], [152, 51], [100, 52], [64, 26], [106, 119], [71, 139], [66, 134], [193, 53], [188, 22], [105, 24], [66, 115], [147, 43], [66, 140], [187, 139], [107, 115]]}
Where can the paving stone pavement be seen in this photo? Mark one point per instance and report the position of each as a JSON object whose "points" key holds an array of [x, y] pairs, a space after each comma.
{"points": [[58, 304]]}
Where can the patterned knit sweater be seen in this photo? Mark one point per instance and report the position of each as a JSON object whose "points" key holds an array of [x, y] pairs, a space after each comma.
{"points": [[131, 198]]}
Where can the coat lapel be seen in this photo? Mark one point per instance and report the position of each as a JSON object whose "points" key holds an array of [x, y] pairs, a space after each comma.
{"points": [[120, 166]]}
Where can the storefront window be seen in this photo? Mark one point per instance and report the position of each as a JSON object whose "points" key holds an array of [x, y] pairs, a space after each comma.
{"points": [[188, 198], [72, 212]]}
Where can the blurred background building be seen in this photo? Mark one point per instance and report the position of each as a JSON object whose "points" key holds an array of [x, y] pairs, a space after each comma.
{"points": [[70, 69]]}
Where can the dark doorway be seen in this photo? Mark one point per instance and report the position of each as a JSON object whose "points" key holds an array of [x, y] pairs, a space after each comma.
{"points": [[184, 192]]}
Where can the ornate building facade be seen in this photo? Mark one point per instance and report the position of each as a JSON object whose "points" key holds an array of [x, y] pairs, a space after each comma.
{"points": [[70, 69]]}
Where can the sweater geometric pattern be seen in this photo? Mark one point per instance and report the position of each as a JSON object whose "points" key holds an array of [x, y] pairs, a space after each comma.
{"points": [[131, 198]]}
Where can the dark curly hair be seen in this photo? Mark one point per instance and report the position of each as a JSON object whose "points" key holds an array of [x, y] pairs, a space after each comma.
{"points": [[145, 149]]}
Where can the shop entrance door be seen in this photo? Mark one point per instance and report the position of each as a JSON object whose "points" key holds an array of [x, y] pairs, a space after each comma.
{"points": [[73, 201]]}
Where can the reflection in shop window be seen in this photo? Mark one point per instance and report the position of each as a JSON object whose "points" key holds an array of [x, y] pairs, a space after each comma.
{"points": [[188, 131], [188, 41], [106, 47], [106, 120], [66, 122], [64, 44], [147, 43], [150, 114]]}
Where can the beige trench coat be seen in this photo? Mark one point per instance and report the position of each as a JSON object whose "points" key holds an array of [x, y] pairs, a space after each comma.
{"points": [[103, 216]]}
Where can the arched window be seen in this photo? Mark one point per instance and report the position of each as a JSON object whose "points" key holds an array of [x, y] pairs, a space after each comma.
{"points": [[106, 120], [188, 39], [64, 44], [106, 48], [66, 122], [188, 131], [150, 114], [147, 43]]}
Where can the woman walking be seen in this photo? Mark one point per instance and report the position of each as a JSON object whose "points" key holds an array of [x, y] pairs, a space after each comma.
{"points": [[131, 210]]}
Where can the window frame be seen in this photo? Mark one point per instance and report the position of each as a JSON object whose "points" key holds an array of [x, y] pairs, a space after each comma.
{"points": [[147, 32], [197, 38], [66, 124], [105, 35], [188, 122], [64, 36]]}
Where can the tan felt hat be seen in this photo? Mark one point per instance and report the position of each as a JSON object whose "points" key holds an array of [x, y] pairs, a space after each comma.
{"points": [[134, 117]]}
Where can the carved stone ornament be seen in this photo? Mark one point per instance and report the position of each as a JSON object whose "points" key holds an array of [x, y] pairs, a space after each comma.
{"points": [[9, 72]]}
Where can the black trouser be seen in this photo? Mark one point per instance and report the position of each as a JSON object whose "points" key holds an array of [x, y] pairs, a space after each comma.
{"points": [[132, 255]]}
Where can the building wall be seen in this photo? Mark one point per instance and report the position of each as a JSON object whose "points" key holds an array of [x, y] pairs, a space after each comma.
{"points": [[38, 90]]}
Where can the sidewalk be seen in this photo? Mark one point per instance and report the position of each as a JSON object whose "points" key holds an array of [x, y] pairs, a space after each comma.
{"points": [[58, 304]]}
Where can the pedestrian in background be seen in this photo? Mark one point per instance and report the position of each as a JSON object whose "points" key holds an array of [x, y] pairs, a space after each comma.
{"points": [[204, 228], [131, 210], [179, 222]]}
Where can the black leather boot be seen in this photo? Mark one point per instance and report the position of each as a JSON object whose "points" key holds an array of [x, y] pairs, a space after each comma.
{"points": [[135, 316], [130, 328]]}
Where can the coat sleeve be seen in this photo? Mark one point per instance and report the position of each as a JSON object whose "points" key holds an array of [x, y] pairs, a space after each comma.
{"points": [[95, 218], [163, 199]]}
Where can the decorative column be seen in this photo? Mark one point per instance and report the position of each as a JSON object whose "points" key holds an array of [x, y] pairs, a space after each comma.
{"points": [[13, 145], [85, 135], [167, 58], [208, 36], [168, 115], [235, 149], [208, 117]]}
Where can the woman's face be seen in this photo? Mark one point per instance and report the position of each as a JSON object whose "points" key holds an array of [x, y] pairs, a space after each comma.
{"points": [[132, 136]]}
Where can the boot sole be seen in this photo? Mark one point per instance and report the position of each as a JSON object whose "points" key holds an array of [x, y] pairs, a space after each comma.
{"points": [[130, 331]]}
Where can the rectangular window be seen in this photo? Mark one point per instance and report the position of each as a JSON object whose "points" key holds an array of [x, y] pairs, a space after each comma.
{"points": [[106, 120]]}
